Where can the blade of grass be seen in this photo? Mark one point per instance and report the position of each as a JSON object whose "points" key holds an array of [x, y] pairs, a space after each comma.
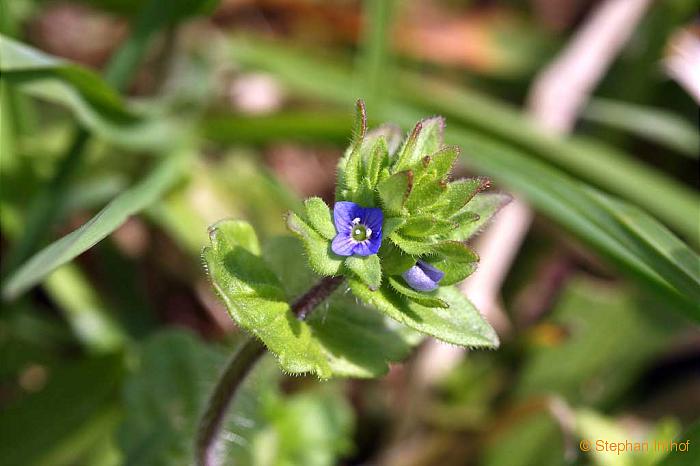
{"points": [[660, 126], [98, 227]]}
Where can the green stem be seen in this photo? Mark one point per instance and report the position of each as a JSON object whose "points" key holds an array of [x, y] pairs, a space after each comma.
{"points": [[241, 363]]}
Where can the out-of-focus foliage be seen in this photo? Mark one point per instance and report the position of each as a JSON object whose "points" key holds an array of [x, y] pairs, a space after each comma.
{"points": [[165, 395], [174, 115]]}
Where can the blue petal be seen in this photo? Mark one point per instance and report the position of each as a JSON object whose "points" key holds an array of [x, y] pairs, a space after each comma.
{"points": [[423, 277], [373, 217], [367, 248], [343, 244], [343, 214]]}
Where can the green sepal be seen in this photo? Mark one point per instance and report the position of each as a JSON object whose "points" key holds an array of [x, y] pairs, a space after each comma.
{"points": [[425, 139], [422, 298], [320, 217], [322, 260], [461, 324], [459, 193], [394, 191], [394, 261], [483, 205], [455, 259], [366, 268]]}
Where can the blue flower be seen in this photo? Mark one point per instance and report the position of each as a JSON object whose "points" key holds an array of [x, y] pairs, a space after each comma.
{"points": [[423, 276], [359, 229]]}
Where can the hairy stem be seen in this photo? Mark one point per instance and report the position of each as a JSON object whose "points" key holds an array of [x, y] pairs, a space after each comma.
{"points": [[239, 366]]}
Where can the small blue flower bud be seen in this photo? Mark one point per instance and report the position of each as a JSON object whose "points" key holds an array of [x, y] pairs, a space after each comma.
{"points": [[423, 276]]}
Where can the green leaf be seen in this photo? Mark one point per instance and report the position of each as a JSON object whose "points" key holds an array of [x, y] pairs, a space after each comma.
{"points": [[94, 103], [378, 159], [318, 249], [456, 259], [459, 193], [426, 138], [256, 301], [360, 342], [366, 268], [98, 227], [350, 167], [425, 193], [337, 339], [479, 212], [421, 226], [394, 191], [391, 224], [422, 298], [461, 324], [320, 217], [410, 246], [441, 162]]}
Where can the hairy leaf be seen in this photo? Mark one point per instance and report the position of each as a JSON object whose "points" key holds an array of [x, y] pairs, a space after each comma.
{"points": [[256, 301], [460, 324], [320, 217], [426, 138], [456, 259], [394, 191], [478, 214], [419, 297]]}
